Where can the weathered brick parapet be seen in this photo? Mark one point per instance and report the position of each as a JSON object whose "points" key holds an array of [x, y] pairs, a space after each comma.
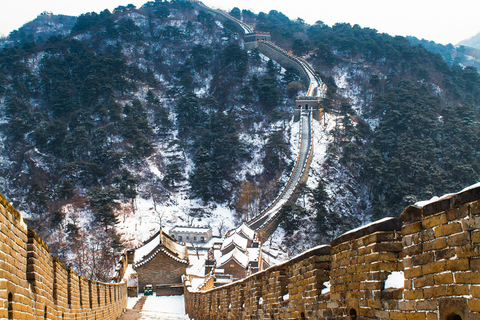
{"points": [[36, 285], [436, 246]]}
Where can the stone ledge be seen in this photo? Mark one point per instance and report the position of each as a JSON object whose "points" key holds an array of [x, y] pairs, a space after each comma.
{"points": [[387, 224]]}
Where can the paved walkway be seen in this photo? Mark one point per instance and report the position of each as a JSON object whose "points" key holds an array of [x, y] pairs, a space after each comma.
{"points": [[156, 308], [134, 314]]}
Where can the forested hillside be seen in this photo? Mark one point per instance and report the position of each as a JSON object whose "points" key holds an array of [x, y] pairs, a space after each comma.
{"points": [[159, 107]]}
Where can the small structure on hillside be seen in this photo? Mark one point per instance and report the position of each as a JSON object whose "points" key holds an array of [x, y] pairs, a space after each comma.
{"points": [[239, 256], [308, 104], [160, 262], [191, 234]]}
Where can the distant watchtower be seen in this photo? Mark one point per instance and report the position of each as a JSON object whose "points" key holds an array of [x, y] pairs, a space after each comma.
{"points": [[251, 39], [307, 104]]}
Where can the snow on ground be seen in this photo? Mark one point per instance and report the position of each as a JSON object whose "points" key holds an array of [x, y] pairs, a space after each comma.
{"points": [[166, 307], [132, 301], [321, 139]]}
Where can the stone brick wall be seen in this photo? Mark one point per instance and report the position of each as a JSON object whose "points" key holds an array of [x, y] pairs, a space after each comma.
{"points": [[437, 247], [160, 270], [36, 285]]}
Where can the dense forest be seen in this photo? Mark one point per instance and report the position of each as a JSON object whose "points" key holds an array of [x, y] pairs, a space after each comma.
{"points": [[86, 114]]}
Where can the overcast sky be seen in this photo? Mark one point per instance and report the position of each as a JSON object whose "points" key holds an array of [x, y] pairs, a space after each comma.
{"points": [[438, 20]]}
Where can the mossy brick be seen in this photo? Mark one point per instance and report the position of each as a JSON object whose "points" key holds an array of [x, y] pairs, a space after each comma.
{"points": [[448, 229], [435, 220], [435, 244]]}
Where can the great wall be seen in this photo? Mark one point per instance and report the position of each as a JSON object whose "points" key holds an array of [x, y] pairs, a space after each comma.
{"points": [[37, 285], [436, 248]]}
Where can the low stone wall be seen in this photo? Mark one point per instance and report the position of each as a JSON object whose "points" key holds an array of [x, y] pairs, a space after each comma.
{"points": [[437, 247], [36, 285]]}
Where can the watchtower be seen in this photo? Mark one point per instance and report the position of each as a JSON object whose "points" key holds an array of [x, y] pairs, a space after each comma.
{"points": [[251, 39], [308, 104]]}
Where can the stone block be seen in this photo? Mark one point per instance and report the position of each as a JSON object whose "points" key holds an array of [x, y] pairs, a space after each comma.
{"points": [[435, 220], [412, 228], [436, 244], [448, 229], [424, 281], [468, 251], [458, 265], [457, 213], [416, 316], [459, 239], [435, 267], [443, 278]]}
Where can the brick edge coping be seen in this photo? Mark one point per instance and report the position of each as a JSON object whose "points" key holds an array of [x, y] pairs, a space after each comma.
{"points": [[386, 224], [414, 213]]}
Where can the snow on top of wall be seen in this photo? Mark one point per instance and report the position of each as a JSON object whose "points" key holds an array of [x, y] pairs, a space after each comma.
{"points": [[368, 225], [421, 204]]}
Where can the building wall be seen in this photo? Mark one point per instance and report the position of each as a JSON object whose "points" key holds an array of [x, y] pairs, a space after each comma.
{"points": [[161, 269], [36, 285], [436, 246]]}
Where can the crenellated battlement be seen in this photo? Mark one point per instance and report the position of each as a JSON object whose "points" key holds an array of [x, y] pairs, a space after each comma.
{"points": [[37, 285], [435, 247]]}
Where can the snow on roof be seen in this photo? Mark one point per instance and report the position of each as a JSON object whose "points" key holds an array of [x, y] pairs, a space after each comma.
{"points": [[237, 255], [190, 229], [148, 247], [236, 240], [249, 233], [421, 204], [175, 250]]}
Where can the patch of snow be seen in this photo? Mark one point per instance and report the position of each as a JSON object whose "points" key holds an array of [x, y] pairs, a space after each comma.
{"points": [[326, 284], [421, 204], [396, 279], [164, 307], [131, 302], [368, 225], [286, 297]]}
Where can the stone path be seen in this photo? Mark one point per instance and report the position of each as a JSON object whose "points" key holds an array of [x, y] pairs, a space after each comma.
{"points": [[144, 312]]}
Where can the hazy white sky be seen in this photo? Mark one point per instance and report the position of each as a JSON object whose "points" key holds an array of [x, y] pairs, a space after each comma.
{"points": [[438, 20]]}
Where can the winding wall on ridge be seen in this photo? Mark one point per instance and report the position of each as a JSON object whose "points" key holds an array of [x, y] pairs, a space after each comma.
{"points": [[37, 285]]}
